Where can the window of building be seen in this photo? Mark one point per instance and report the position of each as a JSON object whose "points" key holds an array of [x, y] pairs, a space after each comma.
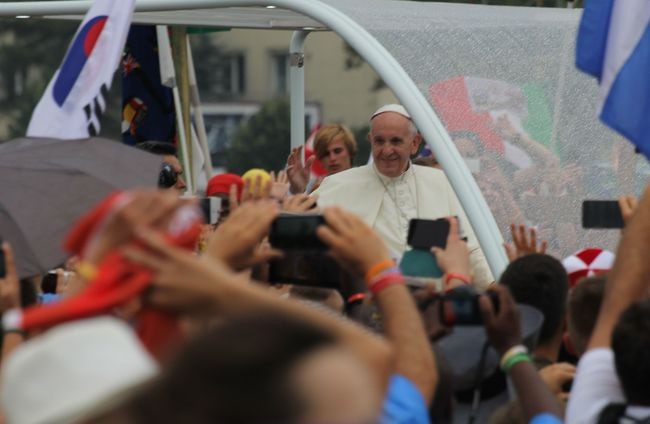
{"points": [[230, 78], [280, 72]]}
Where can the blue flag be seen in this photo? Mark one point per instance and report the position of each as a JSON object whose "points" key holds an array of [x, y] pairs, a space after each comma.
{"points": [[614, 46], [147, 105]]}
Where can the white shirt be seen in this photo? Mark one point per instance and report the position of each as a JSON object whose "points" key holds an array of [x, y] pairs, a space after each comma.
{"points": [[595, 386], [398, 207]]}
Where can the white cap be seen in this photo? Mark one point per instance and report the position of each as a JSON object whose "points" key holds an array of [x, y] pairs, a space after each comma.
{"points": [[73, 370], [393, 107]]}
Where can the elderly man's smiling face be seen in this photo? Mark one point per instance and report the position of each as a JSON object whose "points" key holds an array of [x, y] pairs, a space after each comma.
{"points": [[393, 140]]}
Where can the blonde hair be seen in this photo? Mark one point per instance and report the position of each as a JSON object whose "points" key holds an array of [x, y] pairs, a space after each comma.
{"points": [[330, 132]]}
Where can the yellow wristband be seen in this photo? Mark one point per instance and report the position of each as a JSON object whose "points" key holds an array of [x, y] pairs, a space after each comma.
{"points": [[87, 271]]}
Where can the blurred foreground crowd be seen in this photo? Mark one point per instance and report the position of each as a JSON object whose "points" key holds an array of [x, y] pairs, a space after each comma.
{"points": [[315, 300]]}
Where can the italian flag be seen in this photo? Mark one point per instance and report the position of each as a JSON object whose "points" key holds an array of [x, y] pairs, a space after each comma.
{"points": [[474, 104]]}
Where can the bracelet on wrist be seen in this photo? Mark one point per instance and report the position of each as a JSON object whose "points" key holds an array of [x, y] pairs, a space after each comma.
{"points": [[355, 298], [382, 274], [387, 280], [87, 271], [456, 276], [514, 350], [378, 268], [514, 360]]}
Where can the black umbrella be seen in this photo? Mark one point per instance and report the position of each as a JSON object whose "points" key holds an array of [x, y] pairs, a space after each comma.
{"points": [[47, 184]]}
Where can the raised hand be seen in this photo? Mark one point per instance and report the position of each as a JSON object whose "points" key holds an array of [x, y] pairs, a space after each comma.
{"points": [[454, 258], [279, 185], [354, 244], [556, 375], [628, 205], [235, 241], [251, 190], [299, 203], [503, 327], [145, 208], [524, 242], [182, 282], [297, 173]]}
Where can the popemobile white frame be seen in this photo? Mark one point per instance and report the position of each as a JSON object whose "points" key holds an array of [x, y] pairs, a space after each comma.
{"points": [[370, 50]]}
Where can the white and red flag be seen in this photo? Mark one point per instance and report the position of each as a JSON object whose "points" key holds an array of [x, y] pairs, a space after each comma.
{"points": [[75, 99]]}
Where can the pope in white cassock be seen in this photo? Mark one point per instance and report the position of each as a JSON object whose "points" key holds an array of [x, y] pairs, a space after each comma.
{"points": [[391, 191]]}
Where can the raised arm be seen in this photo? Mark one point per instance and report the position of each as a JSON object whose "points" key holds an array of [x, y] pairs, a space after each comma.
{"points": [[357, 246], [208, 286], [628, 280], [503, 328]]}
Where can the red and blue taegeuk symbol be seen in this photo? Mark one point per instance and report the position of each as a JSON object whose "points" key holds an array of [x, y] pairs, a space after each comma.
{"points": [[80, 49]]}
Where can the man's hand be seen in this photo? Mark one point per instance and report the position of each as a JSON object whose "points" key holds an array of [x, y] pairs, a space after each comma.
{"points": [[354, 244], [628, 205], [182, 282], [524, 242], [299, 203], [430, 308], [150, 208], [556, 375], [279, 186], [455, 256], [235, 241], [10, 283], [297, 172], [503, 328], [251, 190]]}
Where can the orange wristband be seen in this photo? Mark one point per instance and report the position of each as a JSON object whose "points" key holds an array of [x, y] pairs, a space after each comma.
{"points": [[379, 267], [455, 276]]}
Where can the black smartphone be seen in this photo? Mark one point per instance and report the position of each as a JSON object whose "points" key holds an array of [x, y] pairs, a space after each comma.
{"points": [[3, 270], [315, 269], [297, 232], [210, 207], [601, 214], [463, 308], [427, 233]]}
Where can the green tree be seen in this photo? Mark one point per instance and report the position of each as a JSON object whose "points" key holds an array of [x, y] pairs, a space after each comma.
{"points": [[263, 140]]}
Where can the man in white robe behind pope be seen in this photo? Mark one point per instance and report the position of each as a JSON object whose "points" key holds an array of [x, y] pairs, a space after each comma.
{"points": [[391, 191]]}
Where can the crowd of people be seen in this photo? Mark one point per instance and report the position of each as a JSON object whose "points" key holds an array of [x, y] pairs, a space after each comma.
{"points": [[160, 317]]}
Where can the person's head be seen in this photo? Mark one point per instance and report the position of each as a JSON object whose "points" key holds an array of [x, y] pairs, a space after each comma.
{"points": [[393, 139], [630, 343], [263, 368], [584, 305], [219, 186], [64, 360], [335, 147], [540, 281], [171, 174], [468, 143]]}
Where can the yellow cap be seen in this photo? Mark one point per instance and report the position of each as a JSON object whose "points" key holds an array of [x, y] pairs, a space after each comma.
{"points": [[252, 176]]}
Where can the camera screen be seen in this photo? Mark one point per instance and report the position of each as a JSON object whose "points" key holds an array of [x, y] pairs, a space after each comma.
{"points": [[306, 269]]}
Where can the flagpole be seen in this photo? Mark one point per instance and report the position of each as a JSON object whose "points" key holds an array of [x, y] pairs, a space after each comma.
{"points": [[168, 77], [198, 113], [179, 47]]}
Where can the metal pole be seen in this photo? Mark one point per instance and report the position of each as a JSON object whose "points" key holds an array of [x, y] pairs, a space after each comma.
{"points": [[198, 113], [297, 88], [179, 50]]}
